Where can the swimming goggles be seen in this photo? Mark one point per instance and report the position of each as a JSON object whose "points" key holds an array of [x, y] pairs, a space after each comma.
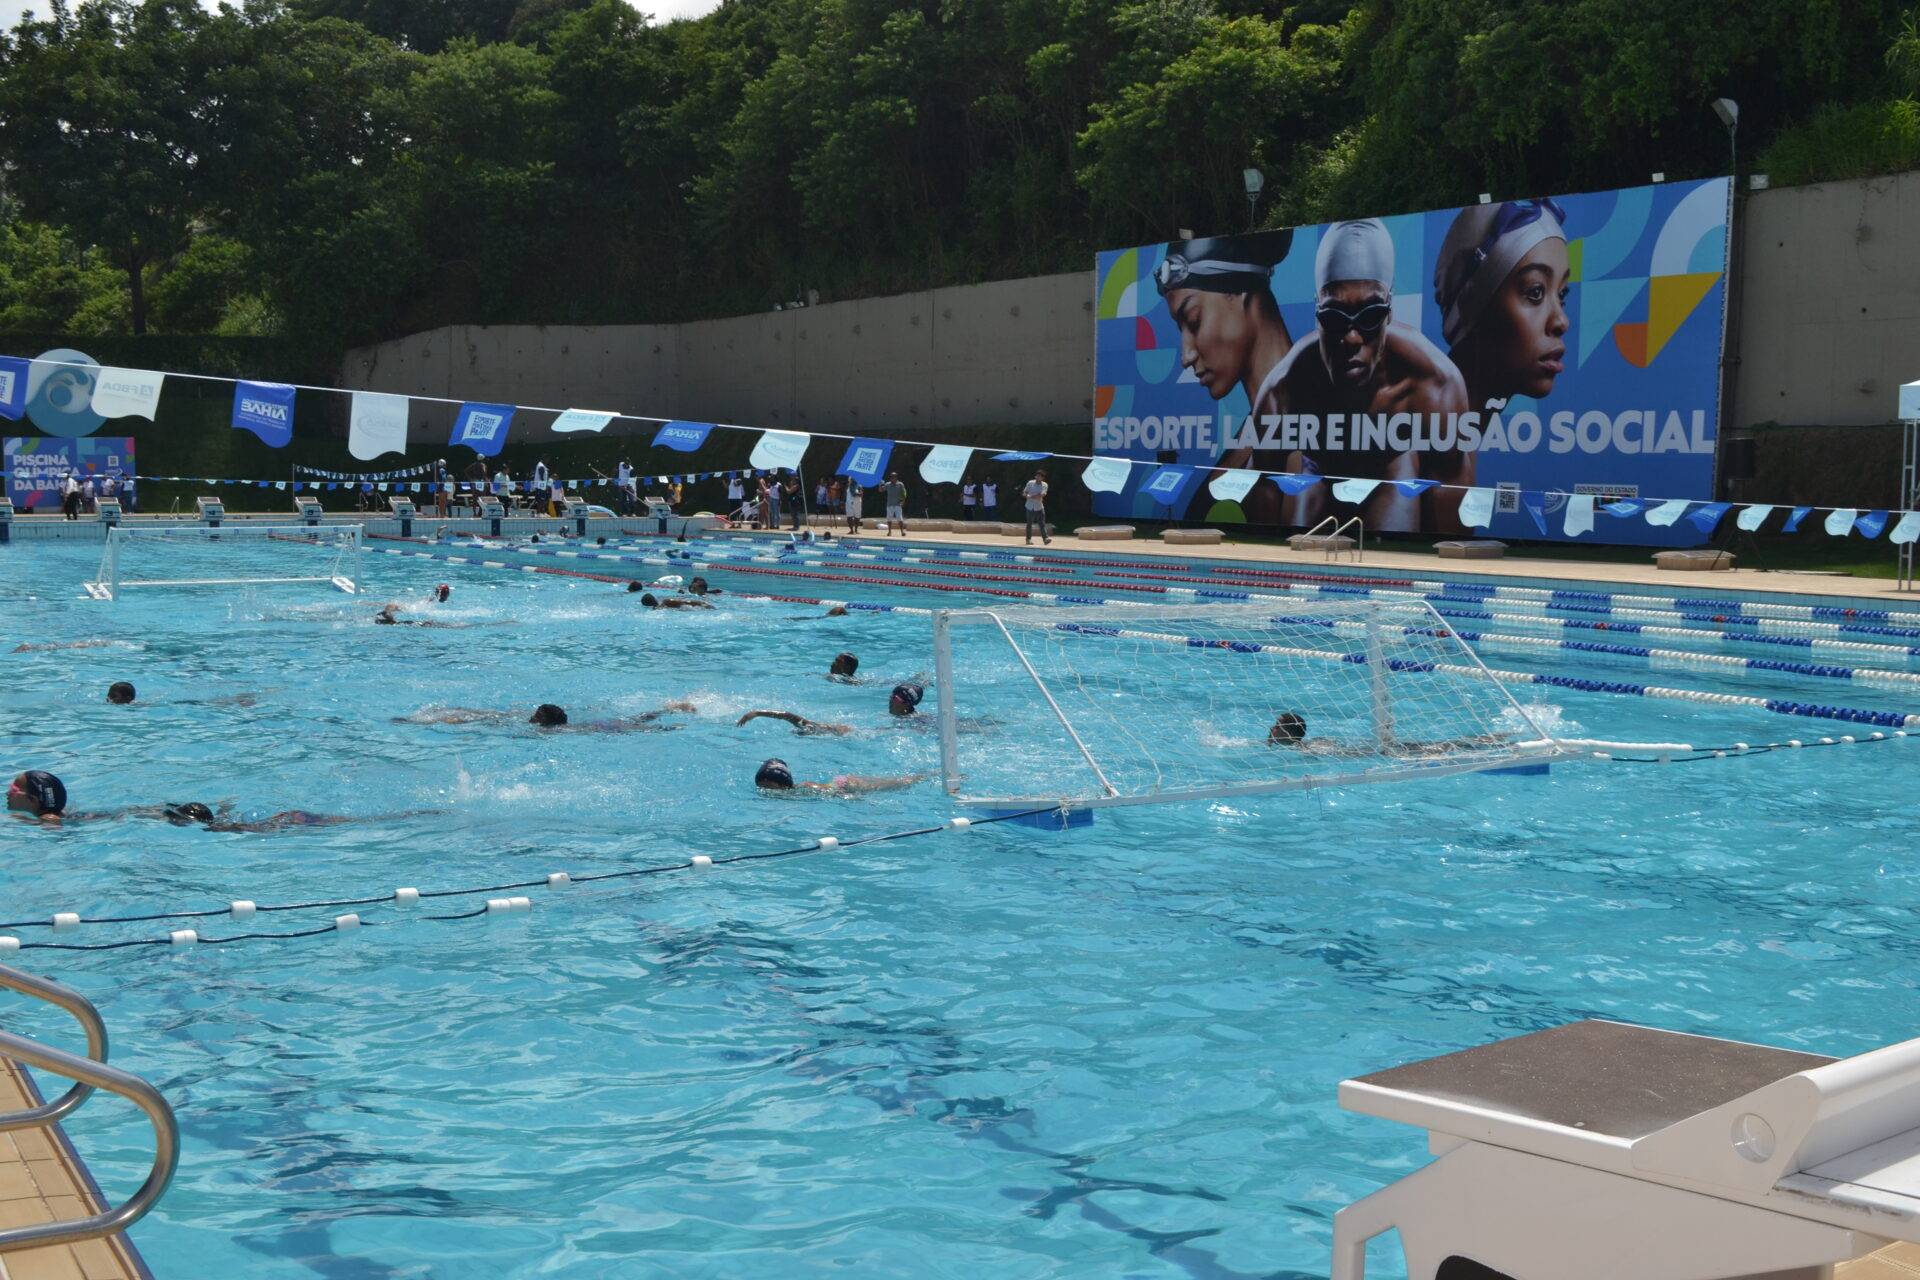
{"points": [[1513, 215], [1174, 270], [1336, 322]]}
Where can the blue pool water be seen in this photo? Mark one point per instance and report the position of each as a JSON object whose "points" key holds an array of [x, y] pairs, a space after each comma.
{"points": [[1107, 1052]]}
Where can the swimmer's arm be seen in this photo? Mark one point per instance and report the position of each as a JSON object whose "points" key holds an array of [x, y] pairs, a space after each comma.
{"points": [[859, 785]]}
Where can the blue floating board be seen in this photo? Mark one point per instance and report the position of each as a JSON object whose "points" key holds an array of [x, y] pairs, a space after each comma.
{"points": [[1524, 770], [1051, 820]]}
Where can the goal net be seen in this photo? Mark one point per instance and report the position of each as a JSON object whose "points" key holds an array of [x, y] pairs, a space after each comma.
{"points": [[1091, 707], [230, 555]]}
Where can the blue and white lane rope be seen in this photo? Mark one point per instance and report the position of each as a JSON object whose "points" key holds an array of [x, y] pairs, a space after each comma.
{"points": [[1779, 706], [241, 910]]}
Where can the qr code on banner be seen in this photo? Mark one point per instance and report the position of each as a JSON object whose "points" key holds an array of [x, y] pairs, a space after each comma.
{"points": [[1506, 498]]}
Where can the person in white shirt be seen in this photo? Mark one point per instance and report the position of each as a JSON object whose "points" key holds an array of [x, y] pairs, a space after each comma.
{"points": [[1036, 496], [109, 485], [87, 501], [70, 497], [990, 500], [967, 494], [556, 496], [736, 489], [625, 489], [502, 485], [856, 501]]}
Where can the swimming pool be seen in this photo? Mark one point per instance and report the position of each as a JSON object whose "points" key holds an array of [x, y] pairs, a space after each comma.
{"points": [[1010, 1053]]}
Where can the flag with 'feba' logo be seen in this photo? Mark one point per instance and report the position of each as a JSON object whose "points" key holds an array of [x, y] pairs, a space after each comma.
{"points": [[482, 427], [266, 409]]}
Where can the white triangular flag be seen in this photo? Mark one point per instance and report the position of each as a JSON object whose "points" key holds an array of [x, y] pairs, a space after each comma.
{"points": [[1106, 475], [1579, 514], [1354, 490], [1233, 485], [127, 393], [1667, 512], [1476, 508], [945, 464], [1751, 518], [377, 425], [1840, 521], [780, 450], [1908, 530]]}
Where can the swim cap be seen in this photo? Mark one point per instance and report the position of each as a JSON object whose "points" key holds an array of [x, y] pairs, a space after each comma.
{"points": [[845, 664], [774, 775], [1483, 246], [907, 693], [120, 692], [547, 715], [442, 591], [1289, 727], [48, 793], [1360, 249], [632, 587], [649, 601], [1223, 264], [192, 811]]}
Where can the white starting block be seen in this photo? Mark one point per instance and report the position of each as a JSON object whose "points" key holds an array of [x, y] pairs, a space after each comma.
{"points": [[308, 508], [107, 511], [1603, 1151], [403, 512], [212, 511], [493, 511]]}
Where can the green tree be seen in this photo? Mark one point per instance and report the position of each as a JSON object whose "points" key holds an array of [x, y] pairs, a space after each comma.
{"points": [[104, 126]]}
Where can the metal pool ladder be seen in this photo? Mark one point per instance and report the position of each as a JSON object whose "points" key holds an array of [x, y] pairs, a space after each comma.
{"points": [[88, 1073], [1332, 527]]}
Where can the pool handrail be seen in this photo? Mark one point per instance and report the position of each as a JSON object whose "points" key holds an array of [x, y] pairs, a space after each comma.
{"points": [[88, 1074], [1333, 527], [89, 1019]]}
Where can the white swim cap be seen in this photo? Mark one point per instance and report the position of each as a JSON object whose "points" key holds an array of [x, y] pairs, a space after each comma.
{"points": [[1359, 249], [669, 580], [1481, 249]]}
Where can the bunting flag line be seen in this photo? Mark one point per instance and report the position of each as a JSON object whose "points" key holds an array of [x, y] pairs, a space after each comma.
{"points": [[581, 420], [866, 460], [1355, 491], [377, 425], [482, 427], [1233, 485], [1168, 485], [684, 437], [1476, 508], [1106, 475], [127, 393], [780, 449], [945, 463], [1579, 514], [13, 387], [1752, 518]]}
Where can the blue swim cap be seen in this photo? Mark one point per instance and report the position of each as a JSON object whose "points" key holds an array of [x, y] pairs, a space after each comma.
{"points": [[774, 775]]}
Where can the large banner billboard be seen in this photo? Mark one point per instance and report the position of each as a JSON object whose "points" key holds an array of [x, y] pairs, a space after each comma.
{"points": [[1539, 348], [36, 465]]}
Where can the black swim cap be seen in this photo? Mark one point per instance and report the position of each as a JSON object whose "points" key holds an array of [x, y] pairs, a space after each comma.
{"points": [[632, 587], [1289, 727], [48, 793], [120, 692], [774, 775], [845, 664], [192, 811], [649, 601], [546, 715], [907, 693]]}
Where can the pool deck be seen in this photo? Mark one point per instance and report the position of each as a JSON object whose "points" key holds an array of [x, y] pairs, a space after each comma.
{"points": [[1425, 564], [41, 1180]]}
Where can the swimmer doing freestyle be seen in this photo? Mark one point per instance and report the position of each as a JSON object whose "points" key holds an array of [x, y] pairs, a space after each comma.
{"points": [[1290, 731], [774, 775], [553, 717], [1358, 361]]}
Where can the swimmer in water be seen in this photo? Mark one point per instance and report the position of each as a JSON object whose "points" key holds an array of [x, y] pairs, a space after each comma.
{"points": [[837, 611], [441, 592], [120, 692], [905, 700], [801, 725], [194, 813], [652, 601], [71, 644], [699, 587], [389, 617], [37, 796], [1290, 731], [775, 776], [843, 667], [551, 716]]}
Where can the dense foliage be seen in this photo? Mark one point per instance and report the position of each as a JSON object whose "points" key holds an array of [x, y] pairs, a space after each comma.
{"points": [[339, 170]]}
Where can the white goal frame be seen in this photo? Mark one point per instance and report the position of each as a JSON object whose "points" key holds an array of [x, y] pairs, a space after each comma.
{"points": [[1539, 747], [348, 540]]}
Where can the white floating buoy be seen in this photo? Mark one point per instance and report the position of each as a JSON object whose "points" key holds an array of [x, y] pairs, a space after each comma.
{"points": [[1719, 755], [9, 943], [183, 937], [1847, 738], [1740, 748], [241, 909], [827, 843], [1879, 737], [66, 920], [346, 922], [559, 880], [958, 824], [406, 897], [502, 906], [701, 862], [1793, 742], [1826, 742]]}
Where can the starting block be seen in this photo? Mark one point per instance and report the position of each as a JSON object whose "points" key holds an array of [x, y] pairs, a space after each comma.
{"points": [[1599, 1150]]}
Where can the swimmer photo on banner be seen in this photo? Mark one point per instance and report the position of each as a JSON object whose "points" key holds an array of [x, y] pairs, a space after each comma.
{"points": [[1552, 346]]}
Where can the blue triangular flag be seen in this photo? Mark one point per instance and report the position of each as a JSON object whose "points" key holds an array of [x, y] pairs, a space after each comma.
{"points": [[1870, 524], [1707, 515], [1793, 521], [1536, 504], [1625, 507]]}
